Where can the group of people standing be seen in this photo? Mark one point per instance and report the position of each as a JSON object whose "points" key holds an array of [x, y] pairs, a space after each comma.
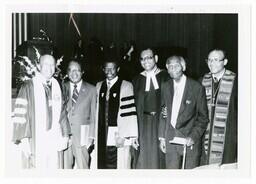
{"points": [[162, 119]]}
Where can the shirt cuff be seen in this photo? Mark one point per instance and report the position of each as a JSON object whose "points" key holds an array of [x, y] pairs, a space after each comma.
{"points": [[161, 139]]}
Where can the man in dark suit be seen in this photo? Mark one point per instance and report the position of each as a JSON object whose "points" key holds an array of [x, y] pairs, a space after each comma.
{"points": [[184, 116], [80, 97]]}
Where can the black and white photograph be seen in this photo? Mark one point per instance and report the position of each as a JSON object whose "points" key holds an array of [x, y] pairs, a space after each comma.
{"points": [[155, 89]]}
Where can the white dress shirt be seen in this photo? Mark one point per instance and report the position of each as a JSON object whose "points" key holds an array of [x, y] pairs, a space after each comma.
{"points": [[219, 76], [112, 82], [177, 98]]}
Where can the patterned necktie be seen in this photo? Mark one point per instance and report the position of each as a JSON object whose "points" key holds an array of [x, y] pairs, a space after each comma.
{"points": [[48, 94], [74, 96], [108, 91]]}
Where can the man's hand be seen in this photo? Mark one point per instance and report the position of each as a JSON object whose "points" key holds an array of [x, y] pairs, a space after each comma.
{"points": [[63, 144], [90, 142], [119, 141], [164, 111], [25, 147], [189, 141], [162, 145], [135, 143]]}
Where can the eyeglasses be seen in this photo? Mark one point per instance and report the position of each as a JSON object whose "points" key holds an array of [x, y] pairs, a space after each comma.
{"points": [[147, 58], [215, 61], [77, 71]]}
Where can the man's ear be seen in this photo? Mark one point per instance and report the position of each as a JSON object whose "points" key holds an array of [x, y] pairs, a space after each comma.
{"points": [[225, 62], [166, 66], [118, 68], [156, 58]]}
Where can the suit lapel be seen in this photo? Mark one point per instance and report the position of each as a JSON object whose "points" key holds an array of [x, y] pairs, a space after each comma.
{"points": [[67, 95], [186, 92], [81, 93]]}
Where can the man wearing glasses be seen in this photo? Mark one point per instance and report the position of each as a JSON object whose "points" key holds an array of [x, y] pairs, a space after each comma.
{"points": [[147, 87], [220, 139]]}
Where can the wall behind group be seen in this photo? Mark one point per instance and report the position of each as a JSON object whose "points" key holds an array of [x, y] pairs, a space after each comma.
{"points": [[196, 33]]}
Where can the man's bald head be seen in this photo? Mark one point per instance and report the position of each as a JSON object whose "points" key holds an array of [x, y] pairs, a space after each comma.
{"points": [[46, 57], [47, 66]]}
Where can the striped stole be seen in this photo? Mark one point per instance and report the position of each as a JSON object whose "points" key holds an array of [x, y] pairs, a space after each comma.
{"points": [[216, 130]]}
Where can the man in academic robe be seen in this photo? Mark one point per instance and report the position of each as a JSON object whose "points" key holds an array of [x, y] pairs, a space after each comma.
{"points": [[220, 139], [117, 129], [40, 126], [80, 97], [186, 117], [147, 90]]}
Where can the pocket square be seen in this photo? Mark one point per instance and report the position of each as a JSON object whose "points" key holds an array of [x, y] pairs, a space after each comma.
{"points": [[188, 101], [114, 95]]}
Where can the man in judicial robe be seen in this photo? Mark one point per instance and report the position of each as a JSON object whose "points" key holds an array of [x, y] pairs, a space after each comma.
{"points": [[117, 128], [80, 97], [220, 139], [186, 117], [147, 90], [40, 125]]}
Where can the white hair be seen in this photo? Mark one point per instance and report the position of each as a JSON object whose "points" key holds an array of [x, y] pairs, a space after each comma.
{"points": [[180, 59]]}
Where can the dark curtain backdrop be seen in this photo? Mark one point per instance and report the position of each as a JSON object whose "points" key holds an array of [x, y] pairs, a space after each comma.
{"points": [[196, 33]]}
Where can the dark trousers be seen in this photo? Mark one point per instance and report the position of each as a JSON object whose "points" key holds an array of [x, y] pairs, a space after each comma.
{"points": [[174, 156], [109, 159]]}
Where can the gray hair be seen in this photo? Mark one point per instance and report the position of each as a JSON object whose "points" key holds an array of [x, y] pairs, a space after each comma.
{"points": [[180, 59]]}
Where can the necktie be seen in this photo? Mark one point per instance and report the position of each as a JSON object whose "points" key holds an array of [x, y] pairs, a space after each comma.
{"points": [[215, 79], [74, 96], [108, 91], [48, 94], [215, 88], [215, 83]]}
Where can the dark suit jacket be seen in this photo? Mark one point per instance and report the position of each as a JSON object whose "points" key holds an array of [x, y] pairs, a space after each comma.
{"points": [[83, 112], [193, 113]]}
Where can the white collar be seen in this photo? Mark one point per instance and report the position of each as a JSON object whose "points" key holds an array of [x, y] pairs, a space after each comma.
{"points": [[77, 84], [220, 75], [154, 71], [181, 82], [43, 79], [112, 82]]}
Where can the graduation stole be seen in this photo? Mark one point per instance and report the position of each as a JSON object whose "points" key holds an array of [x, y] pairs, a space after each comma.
{"points": [[216, 130]]}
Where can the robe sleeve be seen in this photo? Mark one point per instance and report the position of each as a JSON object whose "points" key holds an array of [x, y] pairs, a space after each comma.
{"points": [[92, 114], [23, 114], [127, 119], [162, 120], [64, 123], [202, 116]]}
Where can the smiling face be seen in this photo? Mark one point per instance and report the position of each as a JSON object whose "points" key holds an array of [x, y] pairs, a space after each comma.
{"points": [[111, 70], [175, 68], [148, 60], [216, 61], [74, 72], [47, 66]]}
